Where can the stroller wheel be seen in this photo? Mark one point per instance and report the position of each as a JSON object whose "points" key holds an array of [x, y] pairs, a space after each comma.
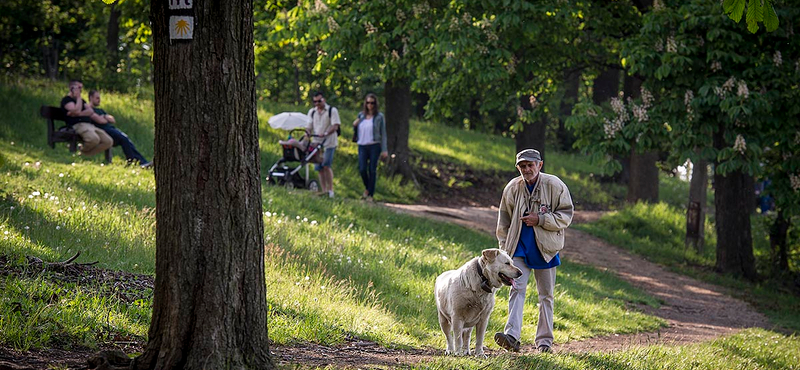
{"points": [[313, 186], [289, 185]]}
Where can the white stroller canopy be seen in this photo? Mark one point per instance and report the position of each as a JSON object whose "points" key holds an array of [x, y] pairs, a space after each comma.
{"points": [[289, 120]]}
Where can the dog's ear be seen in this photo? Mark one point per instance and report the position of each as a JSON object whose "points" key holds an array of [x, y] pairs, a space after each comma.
{"points": [[490, 254]]}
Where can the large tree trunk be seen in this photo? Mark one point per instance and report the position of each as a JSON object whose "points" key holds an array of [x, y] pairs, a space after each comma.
{"points": [[733, 199], [398, 114], [572, 81], [533, 133], [209, 306], [696, 209], [112, 40]]}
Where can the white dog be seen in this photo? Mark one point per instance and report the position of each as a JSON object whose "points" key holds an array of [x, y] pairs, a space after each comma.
{"points": [[465, 298]]}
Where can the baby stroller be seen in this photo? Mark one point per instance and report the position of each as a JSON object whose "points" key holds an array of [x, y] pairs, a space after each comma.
{"points": [[302, 152]]}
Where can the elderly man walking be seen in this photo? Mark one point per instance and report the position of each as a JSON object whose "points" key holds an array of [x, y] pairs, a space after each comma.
{"points": [[535, 210]]}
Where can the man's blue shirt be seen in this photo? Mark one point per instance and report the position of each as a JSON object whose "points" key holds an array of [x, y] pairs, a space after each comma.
{"points": [[529, 251]]}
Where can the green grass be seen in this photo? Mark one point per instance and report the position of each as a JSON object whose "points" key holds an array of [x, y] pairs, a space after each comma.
{"points": [[335, 268], [747, 350]]}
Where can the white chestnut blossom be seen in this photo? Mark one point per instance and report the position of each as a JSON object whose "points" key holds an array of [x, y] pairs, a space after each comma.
{"points": [[740, 145], [741, 90], [672, 46], [688, 97], [716, 66], [777, 58], [795, 181], [333, 26]]}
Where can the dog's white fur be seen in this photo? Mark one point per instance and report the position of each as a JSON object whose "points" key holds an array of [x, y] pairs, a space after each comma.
{"points": [[462, 304]]}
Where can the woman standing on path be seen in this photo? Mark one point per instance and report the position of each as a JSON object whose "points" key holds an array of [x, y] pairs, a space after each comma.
{"points": [[370, 135]]}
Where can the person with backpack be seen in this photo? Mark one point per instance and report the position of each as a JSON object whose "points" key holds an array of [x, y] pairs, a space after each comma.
{"points": [[370, 135], [324, 129]]}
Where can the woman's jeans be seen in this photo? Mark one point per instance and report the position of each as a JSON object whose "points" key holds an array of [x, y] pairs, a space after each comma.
{"points": [[368, 165]]}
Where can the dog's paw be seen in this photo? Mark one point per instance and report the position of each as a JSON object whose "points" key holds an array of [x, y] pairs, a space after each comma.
{"points": [[481, 354]]}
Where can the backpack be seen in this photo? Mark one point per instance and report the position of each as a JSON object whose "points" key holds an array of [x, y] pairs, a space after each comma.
{"points": [[330, 111]]}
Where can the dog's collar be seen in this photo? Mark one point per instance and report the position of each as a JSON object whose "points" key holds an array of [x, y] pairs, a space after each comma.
{"points": [[484, 281]]}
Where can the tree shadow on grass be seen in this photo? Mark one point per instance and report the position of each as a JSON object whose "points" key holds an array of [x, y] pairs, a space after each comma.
{"points": [[50, 241]]}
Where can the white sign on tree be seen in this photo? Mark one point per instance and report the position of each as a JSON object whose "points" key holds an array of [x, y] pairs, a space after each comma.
{"points": [[181, 27], [180, 4]]}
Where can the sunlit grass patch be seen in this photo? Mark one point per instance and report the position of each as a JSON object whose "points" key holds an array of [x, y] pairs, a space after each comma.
{"points": [[37, 313], [749, 349]]}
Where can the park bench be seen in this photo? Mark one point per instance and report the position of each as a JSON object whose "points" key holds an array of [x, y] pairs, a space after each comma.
{"points": [[63, 134]]}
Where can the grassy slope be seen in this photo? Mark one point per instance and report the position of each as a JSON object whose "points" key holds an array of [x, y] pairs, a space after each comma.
{"points": [[335, 268]]}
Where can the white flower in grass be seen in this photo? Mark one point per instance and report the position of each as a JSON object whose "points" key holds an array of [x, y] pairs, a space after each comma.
{"points": [[308, 278], [12, 208], [58, 227], [322, 287], [27, 228], [5, 232], [297, 217], [36, 193], [305, 219], [60, 175], [60, 211], [444, 258], [73, 163], [740, 145], [380, 262]]}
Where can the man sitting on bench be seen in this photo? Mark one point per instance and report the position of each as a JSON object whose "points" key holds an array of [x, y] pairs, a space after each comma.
{"points": [[79, 118], [105, 121]]}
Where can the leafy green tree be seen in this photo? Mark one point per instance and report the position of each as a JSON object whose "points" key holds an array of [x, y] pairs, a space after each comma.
{"points": [[757, 11], [729, 92]]}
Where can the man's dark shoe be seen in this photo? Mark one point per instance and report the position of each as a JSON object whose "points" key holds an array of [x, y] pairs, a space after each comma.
{"points": [[506, 341], [545, 349]]}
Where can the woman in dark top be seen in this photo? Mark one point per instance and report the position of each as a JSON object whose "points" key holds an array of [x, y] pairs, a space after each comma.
{"points": [[370, 135]]}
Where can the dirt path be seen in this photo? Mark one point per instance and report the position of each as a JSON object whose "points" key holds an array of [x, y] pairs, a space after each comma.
{"points": [[695, 311]]}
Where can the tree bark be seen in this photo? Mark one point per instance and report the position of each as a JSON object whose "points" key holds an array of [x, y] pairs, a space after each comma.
{"points": [[112, 39], [605, 87], [777, 240], [533, 134], [50, 51], [572, 81], [696, 209], [643, 182], [209, 305], [398, 114], [733, 199]]}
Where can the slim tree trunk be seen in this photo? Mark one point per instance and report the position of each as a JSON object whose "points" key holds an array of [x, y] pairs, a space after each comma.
{"points": [[777, 240], [49, 50], [296, 85], [112, 39], [572, 81], [643, 182], [533, 133], [209, 306], [642, 170], [696, 209], [733, 200], [606, 86], [398, 114]]}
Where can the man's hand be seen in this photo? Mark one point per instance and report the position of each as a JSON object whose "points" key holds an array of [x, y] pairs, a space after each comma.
{"points": [[384, 155], [530, 220]]}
